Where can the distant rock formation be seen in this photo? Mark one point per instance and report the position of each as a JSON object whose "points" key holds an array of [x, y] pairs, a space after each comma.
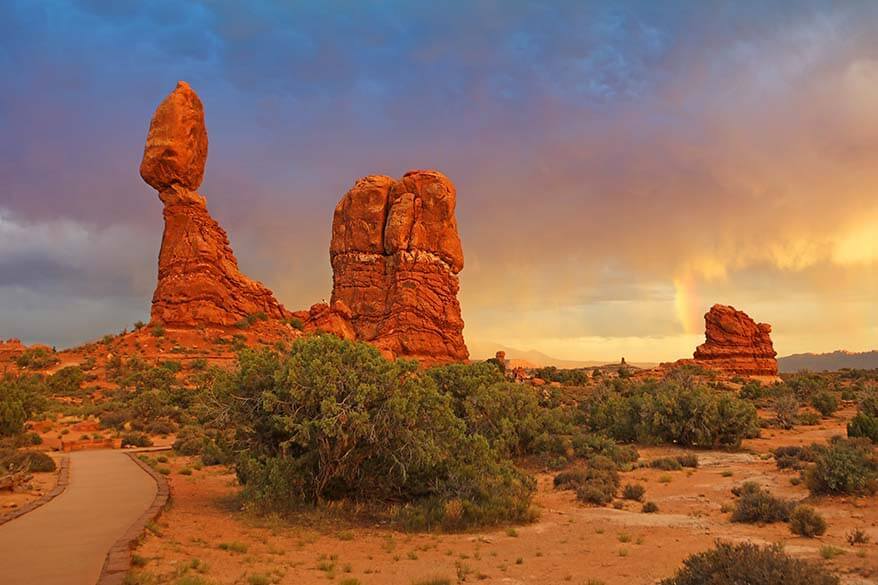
{"points": [[735, 344], [198, 279], [395, 256]]}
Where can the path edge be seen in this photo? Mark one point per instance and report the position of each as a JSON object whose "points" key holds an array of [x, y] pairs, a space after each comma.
{"points": [[60, 486], [118, 560]]}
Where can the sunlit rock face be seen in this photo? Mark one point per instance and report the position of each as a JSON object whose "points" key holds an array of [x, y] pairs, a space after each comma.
{"points": [[198, 278], [395, 254], [736, 344]]}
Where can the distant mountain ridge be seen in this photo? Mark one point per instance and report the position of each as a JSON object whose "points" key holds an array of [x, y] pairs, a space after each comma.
{"points": [[836, 360], [481, 351]]}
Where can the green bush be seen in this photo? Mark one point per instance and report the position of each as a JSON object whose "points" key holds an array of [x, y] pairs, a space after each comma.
{"points": [[508, 415], [666, 464], [757, 505], [334, 420], [136, 440], [684, 413], [21, 397], [649, 508], [793, 457], [66, 381], [633, 491], [36, 359], [786, 409], [752, 390], [806, 521], [824, 402], [863, 425], [195, 440], [844, 466], [12, 460], [596, 483], [750, 564]]}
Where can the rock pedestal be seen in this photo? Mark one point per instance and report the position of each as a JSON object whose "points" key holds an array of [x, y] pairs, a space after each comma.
{"points": [[199, 283]]}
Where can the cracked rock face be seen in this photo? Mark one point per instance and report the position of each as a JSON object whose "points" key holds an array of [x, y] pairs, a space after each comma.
{"points": [[736, 344], [198, 279], [395, 256]]}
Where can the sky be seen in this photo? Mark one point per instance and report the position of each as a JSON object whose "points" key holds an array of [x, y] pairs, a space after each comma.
{"points": [[620, 166]]}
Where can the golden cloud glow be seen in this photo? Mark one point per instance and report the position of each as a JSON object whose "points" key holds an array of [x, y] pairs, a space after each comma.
{"points": [[858, 246]]}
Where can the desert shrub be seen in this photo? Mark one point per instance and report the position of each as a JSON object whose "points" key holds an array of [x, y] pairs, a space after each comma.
{"points": [[868, 404], [633, 491], [792, 457], [649, 508], [684, 413], [36, 359], [208, 443], [786, 409], [857, 536], [161, 427], [752, 390], [596, 483], [675, 463], [750, 564], [12, 460], [807, 418], [114, 418], [66, 381], [806, 521], [757, 505], [844, 466], [198, 364], [21, 397], [804, 385], [574, 377], [510, 416], [136, 439], [863, 425], [666, 464], [824, 402], [588, 445], [333, 420]]}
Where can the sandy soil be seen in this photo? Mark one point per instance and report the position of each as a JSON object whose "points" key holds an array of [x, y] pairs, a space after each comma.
{"points": [[569, 543], [40, 484]]}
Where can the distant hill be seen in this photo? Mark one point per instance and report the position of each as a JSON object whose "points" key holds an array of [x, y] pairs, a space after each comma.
{"points": [[820, 362], [534, 358]]}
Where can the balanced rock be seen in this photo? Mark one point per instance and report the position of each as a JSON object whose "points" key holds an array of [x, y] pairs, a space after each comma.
{"points": [[395, 254], [199, 283], [735, 344]]}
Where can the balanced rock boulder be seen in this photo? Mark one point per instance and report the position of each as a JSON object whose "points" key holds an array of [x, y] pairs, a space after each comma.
{"points": [[395, 254], [735, 344], [199, 283]]}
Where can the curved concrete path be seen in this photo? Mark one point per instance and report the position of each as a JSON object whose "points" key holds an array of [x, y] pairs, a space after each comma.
{"points": [[65, 541]]}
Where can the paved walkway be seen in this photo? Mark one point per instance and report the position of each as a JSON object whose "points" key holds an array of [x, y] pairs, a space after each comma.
{"points": [[65, 541]]}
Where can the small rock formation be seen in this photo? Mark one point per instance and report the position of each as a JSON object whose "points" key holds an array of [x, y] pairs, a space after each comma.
{"points": [[735, 344], [395, 256], [321, 318], [198, 281]]}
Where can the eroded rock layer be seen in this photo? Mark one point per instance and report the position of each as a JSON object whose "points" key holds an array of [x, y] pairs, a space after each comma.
{"points": [[395, 256], [199, 282], [736, 344]]}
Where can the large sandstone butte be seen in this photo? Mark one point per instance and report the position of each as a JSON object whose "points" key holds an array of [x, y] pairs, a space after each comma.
{"points": [[395, 256], [735, 344], [198, 282]]}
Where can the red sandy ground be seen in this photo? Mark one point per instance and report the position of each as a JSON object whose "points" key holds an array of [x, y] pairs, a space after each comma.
{"points": [[570, 542], [41, 483]]}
